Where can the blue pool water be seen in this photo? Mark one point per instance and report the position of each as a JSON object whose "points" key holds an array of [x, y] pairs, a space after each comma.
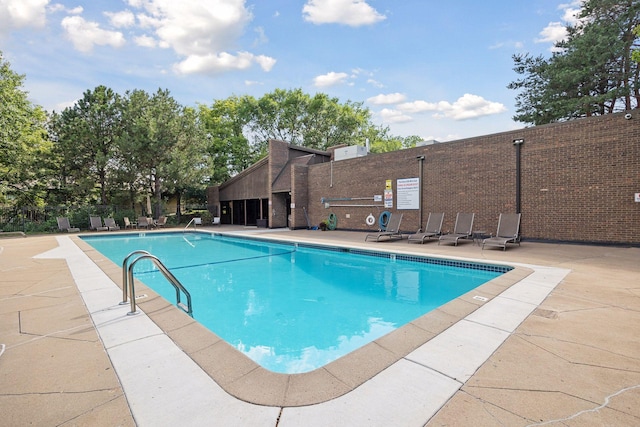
{"points": [[294, 308]]}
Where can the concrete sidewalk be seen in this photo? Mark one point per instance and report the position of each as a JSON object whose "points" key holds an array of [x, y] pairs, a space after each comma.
{"points": [[574, 361]]}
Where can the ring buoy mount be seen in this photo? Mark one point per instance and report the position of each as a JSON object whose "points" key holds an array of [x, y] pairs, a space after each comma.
{"points": [[370, 220]]}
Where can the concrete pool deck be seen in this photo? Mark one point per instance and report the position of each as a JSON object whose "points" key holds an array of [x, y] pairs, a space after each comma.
{"points": [[69, 355]]}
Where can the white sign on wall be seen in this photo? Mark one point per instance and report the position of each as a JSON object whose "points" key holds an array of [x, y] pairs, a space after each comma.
{"points": [[637, 197], [388, 198], [408, 190]]}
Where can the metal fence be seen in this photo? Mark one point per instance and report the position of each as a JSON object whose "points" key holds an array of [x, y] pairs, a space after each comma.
{"points": [[30, 219], [44, 219]]}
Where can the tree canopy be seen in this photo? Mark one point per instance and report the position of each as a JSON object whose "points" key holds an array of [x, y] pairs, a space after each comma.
{"points": [[111, 148], [24, 146], [591, 72]]}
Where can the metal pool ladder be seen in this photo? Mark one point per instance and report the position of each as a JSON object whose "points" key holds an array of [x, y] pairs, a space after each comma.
{"points": [[194, 221], [128, 282]]}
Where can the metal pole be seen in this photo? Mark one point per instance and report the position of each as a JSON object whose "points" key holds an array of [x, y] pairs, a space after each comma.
{"points": [[420, 170], [518, 143]]}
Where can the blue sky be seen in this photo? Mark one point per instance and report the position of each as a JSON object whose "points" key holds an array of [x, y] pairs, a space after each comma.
{"points": [[438, 70]]}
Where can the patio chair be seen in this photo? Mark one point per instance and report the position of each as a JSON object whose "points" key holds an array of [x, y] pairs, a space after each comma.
{"points": [[110, 223], [160, 222], [145, 222], [462, 230], [128, 223], [508, 232], [216, 220], [95, 224], [392, 231], [63, 225], [433, 229]]}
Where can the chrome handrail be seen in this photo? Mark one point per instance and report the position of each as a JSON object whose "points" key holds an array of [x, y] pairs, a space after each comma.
{"points": [[167, 274], [194, 221], [124, 274]]}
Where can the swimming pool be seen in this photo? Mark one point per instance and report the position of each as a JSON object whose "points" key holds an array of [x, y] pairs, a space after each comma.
{"points": [[293, 307]]}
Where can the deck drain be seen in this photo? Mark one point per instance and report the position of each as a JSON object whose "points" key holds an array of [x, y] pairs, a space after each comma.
{"points": [[479, 298], [141, 296]]}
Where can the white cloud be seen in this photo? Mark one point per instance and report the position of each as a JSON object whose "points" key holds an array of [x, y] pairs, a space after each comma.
{"points": [[556, 31], [394, 116], [417, 106], [391, 98], [330, 79], [449, 137], [265, 62], [122, 19], [468, 107], [354, 13], [145, 41], [145, 21], [221, 62], [571, 11], [195, 27], [203, 32], [509, 45], [85, 34], [15, 14], [57, 7], [552, 33], [261, 36]]}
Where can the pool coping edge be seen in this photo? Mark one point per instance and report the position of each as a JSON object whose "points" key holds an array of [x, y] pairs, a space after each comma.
{"points": [[244, 379]]}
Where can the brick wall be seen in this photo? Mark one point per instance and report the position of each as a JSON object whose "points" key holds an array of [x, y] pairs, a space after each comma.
{"points": [[299, 195], [577, 180]]}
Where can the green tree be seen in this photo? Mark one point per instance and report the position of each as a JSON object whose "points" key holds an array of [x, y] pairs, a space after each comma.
{"points": [[188, 165], [87, 134], [635, 54], [156, 142], [293, 116], [590, 74], [134, 152], [24, 145], [328, 123], [228, 149]]}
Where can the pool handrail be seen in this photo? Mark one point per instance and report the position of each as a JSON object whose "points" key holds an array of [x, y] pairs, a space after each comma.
{"points": [[194, 221], [124, 274], [167, 274]]}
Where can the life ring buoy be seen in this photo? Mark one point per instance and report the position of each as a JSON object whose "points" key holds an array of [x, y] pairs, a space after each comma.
{"points": [[383, 220], [333, 221], [370, 220]]}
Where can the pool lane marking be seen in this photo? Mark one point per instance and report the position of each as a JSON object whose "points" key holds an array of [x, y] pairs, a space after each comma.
{"points": [[219, 262]]}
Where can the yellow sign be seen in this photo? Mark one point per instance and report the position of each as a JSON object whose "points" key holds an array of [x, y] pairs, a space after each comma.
{"points": [[388, 185]]}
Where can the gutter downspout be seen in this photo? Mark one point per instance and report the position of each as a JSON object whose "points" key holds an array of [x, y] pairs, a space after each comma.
{"points": [[420, 169], [518, 143]]}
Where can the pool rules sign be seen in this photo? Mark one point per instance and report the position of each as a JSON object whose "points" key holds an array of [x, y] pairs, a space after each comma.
{"points": [[408, 193]]}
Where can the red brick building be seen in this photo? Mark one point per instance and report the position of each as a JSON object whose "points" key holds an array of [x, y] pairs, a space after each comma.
{"points": [[574, 181]]}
